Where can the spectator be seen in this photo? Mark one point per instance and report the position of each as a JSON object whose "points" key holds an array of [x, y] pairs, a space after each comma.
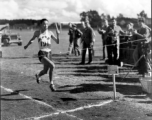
{"points": [[76, 37], [83, 27], [88, 42], [130, 28], [113, 42], [143, 46], [70, 33], [102, 31]]}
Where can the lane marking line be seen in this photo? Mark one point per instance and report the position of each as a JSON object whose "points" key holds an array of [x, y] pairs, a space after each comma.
{"points": [[74, 110], [58, 111], [40, 102], [29, 97]]}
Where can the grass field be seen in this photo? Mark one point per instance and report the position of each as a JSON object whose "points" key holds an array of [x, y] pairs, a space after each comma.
{"points": [[84, 92]]}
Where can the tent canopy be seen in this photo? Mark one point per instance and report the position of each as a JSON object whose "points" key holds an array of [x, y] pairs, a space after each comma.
{"points": [[2, 27]]}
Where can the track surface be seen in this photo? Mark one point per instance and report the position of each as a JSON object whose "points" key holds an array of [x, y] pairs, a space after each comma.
{"points": [[84, 92]]}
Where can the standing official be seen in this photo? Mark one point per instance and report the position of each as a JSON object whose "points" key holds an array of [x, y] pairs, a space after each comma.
{"points": [[76, 36], [70, 33], [88, 42], [113, 42], [102, 31]]}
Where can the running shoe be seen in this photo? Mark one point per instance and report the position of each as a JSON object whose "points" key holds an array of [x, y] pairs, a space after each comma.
{"points": [[52, 87], [37, 78]]}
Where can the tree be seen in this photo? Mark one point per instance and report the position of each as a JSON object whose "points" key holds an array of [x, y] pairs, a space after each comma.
{"points": [[103, 16], [120, 15], [142, 14], [92, 16], [108, 17], [83, 16]]}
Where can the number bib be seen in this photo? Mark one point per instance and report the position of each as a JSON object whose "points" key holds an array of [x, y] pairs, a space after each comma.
{"points": [[44, 41]]}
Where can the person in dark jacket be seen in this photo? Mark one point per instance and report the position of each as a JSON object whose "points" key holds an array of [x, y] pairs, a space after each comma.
{"points": [[71, 40], [88, 42], [143, 45], [76, 36], [102, 32], [113, 42]]}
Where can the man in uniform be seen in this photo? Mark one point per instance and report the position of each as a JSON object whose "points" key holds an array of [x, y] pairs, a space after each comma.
{"points": [[70, 33], [102, 31], [143, 46], [76, 37], [113, 42], [88, 42]]}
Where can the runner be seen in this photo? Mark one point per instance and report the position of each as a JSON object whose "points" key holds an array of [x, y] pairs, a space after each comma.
{"points": [[44, 37]]}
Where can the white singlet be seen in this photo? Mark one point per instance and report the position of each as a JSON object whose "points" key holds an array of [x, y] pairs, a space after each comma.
{"points": [[44, 41]]}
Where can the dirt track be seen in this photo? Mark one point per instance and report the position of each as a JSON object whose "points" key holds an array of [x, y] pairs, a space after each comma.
{"points": [[77, 86]]}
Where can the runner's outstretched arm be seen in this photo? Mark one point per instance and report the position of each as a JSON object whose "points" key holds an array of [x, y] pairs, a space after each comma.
{"points": [[56, 39], [32, 39]]}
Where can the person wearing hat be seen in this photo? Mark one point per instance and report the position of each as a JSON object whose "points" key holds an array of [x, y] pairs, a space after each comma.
{"points": [[113, 42], [130, 29], [143, 45], [88, 40], [70, 33], [102, 32], [76, 36]]}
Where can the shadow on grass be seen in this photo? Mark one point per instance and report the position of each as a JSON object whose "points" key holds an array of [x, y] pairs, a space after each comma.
{"points": [[147, 102], [123, 89], [16, 92], [15, 57], [7, 99], [137, 96], [20, 99], [126, 80], [68, 99]]}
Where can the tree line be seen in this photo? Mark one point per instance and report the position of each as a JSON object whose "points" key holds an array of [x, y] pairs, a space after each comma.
{"points": [[96, 19], [93, 16]]}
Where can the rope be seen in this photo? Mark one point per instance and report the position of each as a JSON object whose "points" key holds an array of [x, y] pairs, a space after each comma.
{"points": [[116, 44]]}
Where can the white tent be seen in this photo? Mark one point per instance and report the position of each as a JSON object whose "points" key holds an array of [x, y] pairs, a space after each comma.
{"points": [[2, 27]]}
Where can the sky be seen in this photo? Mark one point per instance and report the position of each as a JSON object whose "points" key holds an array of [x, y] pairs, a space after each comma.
{"points": [[69, 10]]}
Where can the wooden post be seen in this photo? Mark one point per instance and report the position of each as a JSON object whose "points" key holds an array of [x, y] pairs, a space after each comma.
{"points": [[0, 46], [113, 70], [114, 86]]}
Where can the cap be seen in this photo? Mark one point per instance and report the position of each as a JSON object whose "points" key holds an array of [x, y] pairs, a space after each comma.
{"points": [[130, 23]]}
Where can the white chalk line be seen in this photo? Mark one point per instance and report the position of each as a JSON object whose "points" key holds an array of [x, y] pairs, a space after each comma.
{"points": [[73, 110], [29, 97], [37, 101]]}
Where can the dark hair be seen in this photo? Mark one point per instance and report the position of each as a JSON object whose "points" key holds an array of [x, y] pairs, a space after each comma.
{"points": [[42, 20]]}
